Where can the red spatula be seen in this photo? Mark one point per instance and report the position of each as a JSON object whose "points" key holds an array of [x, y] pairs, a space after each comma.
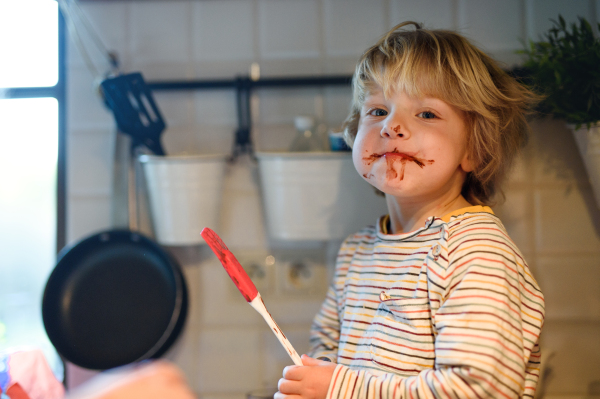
{"points": [[246, 287]]}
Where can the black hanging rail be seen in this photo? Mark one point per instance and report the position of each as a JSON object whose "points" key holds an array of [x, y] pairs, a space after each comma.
{"points": [[244, 85]]}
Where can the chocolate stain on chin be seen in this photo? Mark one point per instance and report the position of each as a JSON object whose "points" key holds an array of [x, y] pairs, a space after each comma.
{"points": [[391, 158]]}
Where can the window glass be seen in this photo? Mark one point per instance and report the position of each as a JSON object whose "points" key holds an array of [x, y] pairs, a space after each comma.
{"points": [[28, 43], [28, 165]]}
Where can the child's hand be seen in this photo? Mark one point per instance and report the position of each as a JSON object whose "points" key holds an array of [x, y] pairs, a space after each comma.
{"points": [[310, 381]]}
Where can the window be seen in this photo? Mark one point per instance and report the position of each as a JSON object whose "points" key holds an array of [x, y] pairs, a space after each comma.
{"points": [[31, 167]]}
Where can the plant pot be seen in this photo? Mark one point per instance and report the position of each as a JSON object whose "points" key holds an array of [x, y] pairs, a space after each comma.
{"points": [[588, 142]]}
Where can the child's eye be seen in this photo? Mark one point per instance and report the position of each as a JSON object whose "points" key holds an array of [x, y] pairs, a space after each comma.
{"points": [[427, 115], [378, 112]]}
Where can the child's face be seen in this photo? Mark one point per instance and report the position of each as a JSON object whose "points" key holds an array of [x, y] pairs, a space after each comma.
{"points": [[412, 148]]}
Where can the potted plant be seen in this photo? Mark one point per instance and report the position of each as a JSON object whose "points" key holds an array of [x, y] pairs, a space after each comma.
{"points": [[565, 68]]}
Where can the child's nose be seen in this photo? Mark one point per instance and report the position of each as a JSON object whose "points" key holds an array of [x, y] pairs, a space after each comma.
{"points": [[393, 129]]}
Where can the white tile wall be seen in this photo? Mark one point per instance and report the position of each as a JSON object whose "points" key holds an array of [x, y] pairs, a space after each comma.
{"points": [[353, 25], [298, 19], [224, 30], [573, 351], [90, 154], [108, 22], [571, 285], [432, 13], [503, 32], [226, 349]]}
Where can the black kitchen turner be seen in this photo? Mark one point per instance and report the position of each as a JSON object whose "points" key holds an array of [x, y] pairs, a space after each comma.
{"points": [[135, 111]]}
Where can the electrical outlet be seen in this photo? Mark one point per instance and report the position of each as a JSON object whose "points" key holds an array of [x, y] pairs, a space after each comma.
{"points": [[301, 277], [260, 267]]}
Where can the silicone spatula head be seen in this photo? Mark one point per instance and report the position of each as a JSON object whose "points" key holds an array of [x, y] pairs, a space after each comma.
{"points": [[230, 263]]}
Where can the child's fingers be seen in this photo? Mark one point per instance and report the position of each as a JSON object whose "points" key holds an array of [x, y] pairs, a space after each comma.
{"points": [[293, 372], [280, 395], [288, 387], [309, 361]]}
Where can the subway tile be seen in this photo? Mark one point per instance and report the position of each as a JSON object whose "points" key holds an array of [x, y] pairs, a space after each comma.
{"points": [[162, 70], [223, 30], [308, 66], [351, 26], [86, 216], [273, 137], [90, 156], [502, 32], [108, 23], [343, 65], [276, 358], [571, 286], [506, 59], [433, 14], [160, 31], [198, 139], [294, 309], [85, 107], [181, 140], [220, 69], [228, 359], [282, 105], [336, 104], [289, 29], [222, 304], [557, 158], [545, 10], [572, 351], [516, 215], [215, 108], [567, 220], [193, 280], [215, 139], [176, 107], [242, 218], [521, 171]]}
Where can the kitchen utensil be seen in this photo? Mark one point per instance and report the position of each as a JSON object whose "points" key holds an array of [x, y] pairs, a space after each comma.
{"points": [[115, 297], [134, 109], [247, 288]]}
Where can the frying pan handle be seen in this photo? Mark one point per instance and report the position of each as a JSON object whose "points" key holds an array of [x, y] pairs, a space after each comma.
{"points": [[126, 172], [120, 183]]}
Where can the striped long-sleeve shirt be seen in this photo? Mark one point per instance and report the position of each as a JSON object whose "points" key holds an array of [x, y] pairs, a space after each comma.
{"points": [[447, 311]]}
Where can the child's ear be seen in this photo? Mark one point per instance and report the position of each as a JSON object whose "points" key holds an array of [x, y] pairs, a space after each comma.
{"points": [[467, 164]]}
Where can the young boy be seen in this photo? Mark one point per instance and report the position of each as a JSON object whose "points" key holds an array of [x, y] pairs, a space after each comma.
{"points": [[435, 300]]}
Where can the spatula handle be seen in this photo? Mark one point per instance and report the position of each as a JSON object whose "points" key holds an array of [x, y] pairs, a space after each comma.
{"points": [[258, 304]]}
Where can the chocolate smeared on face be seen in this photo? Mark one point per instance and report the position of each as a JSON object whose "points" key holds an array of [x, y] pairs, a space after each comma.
{"points": [[391, 158]]}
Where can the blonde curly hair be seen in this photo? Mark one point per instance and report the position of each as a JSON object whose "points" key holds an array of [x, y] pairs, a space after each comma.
{"points": [[445, 65]]}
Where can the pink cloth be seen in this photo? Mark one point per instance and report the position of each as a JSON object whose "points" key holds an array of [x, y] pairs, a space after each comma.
{"points": [[31, 371]]}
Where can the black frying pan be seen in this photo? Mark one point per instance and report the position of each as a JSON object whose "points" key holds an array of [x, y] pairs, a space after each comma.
{"points": [[114, 298]]}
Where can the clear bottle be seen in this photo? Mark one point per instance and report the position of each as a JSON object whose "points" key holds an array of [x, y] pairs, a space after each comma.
{"points": [[306, 138]]}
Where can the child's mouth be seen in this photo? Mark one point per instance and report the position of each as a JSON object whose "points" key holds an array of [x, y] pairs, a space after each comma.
{"points": [[391, 158]]}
